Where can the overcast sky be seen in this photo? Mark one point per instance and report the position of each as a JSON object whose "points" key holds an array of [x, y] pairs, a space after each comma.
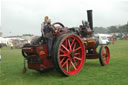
{"points": [[25, 16]]}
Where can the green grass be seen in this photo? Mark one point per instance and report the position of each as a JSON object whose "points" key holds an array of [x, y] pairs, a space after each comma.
{"points": [[116, 73]]}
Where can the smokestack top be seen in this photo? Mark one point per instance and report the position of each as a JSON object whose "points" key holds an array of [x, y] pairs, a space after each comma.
{"points": [[90, 18], [89, 10]]}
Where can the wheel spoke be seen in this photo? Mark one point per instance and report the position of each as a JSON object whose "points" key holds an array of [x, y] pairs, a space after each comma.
{"points": [[77, 53], [63, 55], [75, 61], [103, 51], [77, 58], [72, 42], [69, 44], [66, 43], [70, 54], [65, 48], [67, 66], [63, 51], [106, 59], [65, 62], [62, 60], [77, 49], [74, 46], [73, 65], [103, 54]]}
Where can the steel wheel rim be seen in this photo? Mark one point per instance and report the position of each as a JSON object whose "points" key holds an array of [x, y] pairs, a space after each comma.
{"points": [[71, 55], [105, 55]]}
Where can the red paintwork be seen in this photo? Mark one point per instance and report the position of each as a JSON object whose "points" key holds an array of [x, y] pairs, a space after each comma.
{"points": [[92, 57], [90, 42], [61, 33], [42, 53], [58, 24], [75, 46], [106, 58], [46, 63], [28, 49], [34, 66], [59, 28], [89, 30], [65, 60]]}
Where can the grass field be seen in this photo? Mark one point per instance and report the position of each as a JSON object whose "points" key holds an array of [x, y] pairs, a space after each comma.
{"points": [[116, 73]]}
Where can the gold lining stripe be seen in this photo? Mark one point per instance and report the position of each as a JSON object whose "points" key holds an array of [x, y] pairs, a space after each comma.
{"points": [[42, 52], [91, 40]]}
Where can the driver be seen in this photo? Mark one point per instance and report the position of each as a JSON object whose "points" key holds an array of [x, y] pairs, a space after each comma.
{"points": [[43, 25], [48, 33]]}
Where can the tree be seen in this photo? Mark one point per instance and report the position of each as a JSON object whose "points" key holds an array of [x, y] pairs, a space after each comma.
{"points": [[27, 34], [113, 29], [100, 30], [124, 28]]}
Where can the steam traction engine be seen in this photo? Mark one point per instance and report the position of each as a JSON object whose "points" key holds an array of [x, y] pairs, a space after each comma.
{"points": [[71, 48]]}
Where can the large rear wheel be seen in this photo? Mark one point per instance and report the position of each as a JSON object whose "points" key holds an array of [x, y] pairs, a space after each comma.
{"points": [[69, 54]]}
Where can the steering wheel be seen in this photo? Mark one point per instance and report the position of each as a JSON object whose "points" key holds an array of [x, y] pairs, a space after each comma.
{"points": [[58, 28]]}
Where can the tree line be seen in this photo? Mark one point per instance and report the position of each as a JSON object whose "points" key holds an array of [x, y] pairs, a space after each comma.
{"points": [[112, 29]]}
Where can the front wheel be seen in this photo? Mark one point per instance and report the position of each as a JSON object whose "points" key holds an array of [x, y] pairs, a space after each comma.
{"points": [[69, 54], [104, 55]]}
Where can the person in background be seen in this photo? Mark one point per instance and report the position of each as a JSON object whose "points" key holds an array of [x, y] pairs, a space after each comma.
{"points": [[11, 46], [48, 33], [0, 57]]}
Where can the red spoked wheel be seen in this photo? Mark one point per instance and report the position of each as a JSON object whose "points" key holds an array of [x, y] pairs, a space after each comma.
{"points": [[104, 55], [70, 54]]}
